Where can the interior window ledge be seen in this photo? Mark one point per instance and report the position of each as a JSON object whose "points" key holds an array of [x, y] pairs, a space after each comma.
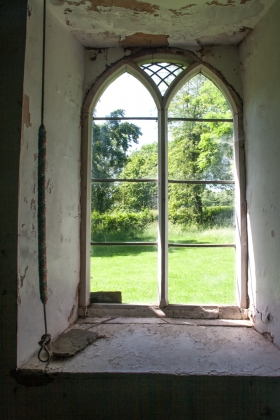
{"points": [[165, 346], [170, 311]]}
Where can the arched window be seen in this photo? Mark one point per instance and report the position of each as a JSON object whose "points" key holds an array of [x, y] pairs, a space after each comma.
{"points": [[163, 200]]}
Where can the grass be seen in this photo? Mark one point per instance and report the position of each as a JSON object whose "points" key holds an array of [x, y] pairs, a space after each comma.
{"points": [[196, 275]]}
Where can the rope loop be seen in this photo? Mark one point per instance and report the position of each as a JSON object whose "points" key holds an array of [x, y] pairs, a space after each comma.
{"points": [[44, 343]]}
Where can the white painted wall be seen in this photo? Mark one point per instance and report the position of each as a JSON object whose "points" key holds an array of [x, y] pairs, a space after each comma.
{"points": [[261, 63], [63, 101]]}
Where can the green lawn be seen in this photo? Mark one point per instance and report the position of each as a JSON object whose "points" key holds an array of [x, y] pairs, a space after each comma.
{"points": [[196, 275]]}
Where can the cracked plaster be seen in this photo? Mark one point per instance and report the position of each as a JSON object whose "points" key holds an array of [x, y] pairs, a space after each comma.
{"points": [[111, 23]]}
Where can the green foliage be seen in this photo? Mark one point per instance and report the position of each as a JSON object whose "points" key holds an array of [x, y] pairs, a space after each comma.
{"points": [[210, 216], [110, 144], [185, 203], [215, 158], [207, 146], [221, 197], [218, 216], [140, 164], [196, 150], [114, 225]]}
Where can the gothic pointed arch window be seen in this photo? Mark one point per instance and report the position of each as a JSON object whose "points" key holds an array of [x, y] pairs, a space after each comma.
{"points": [[163, 172]]}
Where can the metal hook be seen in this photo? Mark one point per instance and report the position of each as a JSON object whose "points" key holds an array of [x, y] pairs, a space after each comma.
{"points": [[44, 343]]}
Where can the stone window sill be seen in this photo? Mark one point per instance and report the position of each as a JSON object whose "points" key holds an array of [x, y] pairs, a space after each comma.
{"points": [[176, 346]]}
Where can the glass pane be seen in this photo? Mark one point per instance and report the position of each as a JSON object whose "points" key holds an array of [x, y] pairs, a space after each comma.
{"points": [[124, 212], [129, 269], [124, 149], [201, 214], [199, 98], [128, 94], [142, 160], [200, 150], [201, 276]]}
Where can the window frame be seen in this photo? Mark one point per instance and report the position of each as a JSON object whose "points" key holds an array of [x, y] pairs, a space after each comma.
{"points": [[131, 65]]}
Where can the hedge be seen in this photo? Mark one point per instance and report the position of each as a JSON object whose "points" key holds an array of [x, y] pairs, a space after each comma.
{"points": [[120, 222], [218, 215], [105, 225]]}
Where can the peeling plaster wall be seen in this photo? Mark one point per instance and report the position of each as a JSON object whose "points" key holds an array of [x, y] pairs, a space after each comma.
{"points": [[261, 64], [224, 59], [98, 60], [114, 23], [63, 99]]}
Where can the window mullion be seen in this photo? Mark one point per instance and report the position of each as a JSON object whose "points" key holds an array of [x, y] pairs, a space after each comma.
{"points": [[162, 208]]}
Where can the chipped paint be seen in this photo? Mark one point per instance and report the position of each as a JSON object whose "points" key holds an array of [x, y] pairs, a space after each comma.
{"points": [[216, 3], [140, 39], [134, 5], [33, 204], [23, 277], [205, 51], [25, 111], [245, 29], [107, 23], [180, 12], [71, 313]]}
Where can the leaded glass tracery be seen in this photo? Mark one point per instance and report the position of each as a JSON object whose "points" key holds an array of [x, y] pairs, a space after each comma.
{"points": [[163, 74]]}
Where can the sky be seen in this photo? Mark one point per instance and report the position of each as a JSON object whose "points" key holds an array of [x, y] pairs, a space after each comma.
{"points": [[127, 93]]}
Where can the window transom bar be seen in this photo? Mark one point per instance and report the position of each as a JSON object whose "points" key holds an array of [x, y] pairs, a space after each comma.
{"points": [[171, 181], [170, 245], [156, 119]]}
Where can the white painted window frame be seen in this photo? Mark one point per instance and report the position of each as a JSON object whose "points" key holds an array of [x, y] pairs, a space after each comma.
{"points": [[131, 66]]}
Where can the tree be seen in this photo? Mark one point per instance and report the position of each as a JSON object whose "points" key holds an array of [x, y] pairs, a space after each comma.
{"points": [[209, 144], [110, 145], [198, 150], [140, 164]]}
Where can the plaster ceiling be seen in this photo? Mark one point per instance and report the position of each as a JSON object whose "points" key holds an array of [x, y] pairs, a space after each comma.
{"points": [[174, 23]]}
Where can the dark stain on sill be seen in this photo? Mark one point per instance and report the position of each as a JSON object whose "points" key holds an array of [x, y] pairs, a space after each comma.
{"points": [[31, 379]]}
